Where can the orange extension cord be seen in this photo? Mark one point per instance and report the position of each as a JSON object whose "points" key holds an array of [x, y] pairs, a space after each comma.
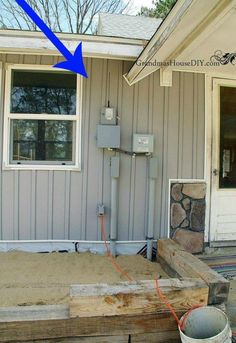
{"points": [[180, 323], [109, 255]]}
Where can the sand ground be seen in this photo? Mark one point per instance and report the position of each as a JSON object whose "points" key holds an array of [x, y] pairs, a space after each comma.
{"points": [[38, 279]]}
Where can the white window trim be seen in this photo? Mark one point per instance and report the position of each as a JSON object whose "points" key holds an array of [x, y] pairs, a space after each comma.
{"points": [[7, 165]]}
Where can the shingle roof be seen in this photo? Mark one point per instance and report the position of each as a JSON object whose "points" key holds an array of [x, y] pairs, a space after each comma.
{"points": [[120, 25]]}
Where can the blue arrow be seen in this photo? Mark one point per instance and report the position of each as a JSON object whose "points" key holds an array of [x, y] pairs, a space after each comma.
{"points": [[74, 62]]}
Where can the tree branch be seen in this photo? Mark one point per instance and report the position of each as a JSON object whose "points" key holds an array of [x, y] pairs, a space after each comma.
{"points": [[75, 16]]}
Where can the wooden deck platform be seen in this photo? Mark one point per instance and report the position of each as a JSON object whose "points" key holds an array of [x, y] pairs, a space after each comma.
{"points": [[127, 312]]}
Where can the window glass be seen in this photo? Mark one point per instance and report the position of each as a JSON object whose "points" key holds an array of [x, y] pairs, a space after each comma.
{"points": [[42, 140], [38, 92]]}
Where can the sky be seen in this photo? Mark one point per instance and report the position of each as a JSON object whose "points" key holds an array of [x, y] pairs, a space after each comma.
{"points": [[137, 4]]}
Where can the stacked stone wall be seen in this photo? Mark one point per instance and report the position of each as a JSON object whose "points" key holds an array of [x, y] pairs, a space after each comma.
{"points": [[187, 215]]}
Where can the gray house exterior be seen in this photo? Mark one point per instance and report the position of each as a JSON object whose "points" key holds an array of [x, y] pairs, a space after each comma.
{"points": [[188, 108], [61, 205]]}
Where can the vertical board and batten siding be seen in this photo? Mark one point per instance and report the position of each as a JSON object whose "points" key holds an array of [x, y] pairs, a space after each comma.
{"points": [[62, 204]]}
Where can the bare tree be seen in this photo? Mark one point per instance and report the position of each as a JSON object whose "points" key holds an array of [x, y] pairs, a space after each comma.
{"points": [[75, 16]]}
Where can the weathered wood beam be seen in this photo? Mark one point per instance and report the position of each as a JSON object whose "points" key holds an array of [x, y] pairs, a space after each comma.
{"points": [[141, 312], [101, 339], [187, 265], [165, 266], [36, 312], [157, 337], [23, 331], [162, 337], [135, 297]]}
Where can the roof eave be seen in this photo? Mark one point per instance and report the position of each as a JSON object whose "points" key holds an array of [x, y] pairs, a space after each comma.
{"points": [[27, 42], [165, 29], [162, 46]]}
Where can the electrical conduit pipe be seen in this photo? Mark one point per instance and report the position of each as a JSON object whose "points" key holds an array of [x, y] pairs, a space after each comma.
{"points": [[151, 205], [115, 174]]}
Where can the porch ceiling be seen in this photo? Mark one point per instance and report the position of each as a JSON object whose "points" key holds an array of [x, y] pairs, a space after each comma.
{"points": [[212, 46], [194, 30]]}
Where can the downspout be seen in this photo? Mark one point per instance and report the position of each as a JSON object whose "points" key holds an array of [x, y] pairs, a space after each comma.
{"points": [[151, 205], [115, 174]]}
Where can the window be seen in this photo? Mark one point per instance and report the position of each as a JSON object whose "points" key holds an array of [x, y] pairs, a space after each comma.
{"points": [[227, 156], [42, 125]]}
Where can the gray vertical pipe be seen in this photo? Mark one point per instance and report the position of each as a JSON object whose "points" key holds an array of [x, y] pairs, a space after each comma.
{"points": [[115, 173], [151, 205]]}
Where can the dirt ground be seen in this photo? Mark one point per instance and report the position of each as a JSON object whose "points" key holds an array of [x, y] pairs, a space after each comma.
{"points": [[38, 279]]}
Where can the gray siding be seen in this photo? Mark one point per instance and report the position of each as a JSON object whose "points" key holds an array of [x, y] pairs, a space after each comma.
{"points": [[62, 205]]}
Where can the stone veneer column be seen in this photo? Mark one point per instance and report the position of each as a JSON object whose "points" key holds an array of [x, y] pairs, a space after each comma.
{"points": [[187, 215]]}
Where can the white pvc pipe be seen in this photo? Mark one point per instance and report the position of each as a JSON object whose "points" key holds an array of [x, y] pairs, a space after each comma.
{"points": [[122, 247]]}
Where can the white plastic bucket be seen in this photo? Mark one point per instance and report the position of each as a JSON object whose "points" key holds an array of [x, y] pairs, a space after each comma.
{"points": [[206, 324]]}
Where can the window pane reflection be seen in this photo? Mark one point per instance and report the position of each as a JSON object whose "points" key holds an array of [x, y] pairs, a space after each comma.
{"points": [[42, 140], [43, 92]]}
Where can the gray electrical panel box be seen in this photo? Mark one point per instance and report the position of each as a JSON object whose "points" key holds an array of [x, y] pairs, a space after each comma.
{"points": [[143, 143], [108, 116], [108, 136]]}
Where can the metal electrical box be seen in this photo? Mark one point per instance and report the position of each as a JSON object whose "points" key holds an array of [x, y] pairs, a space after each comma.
{"points": [[108, 136], [108, 116], [143, 143]]}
